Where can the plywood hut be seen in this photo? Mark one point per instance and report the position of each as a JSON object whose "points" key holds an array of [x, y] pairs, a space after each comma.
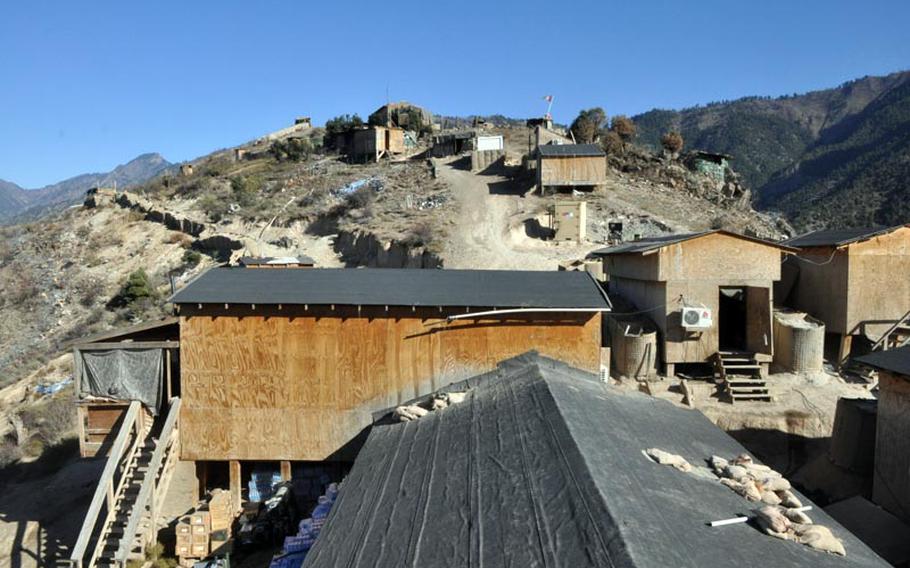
{"points": [[570, 166], [857, 281], [371, 144], [113, 369], [891, 475], [725, 276], [288, 365]]}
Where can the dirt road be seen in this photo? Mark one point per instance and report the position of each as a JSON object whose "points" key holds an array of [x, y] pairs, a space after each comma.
{"points": [[489, 230]]}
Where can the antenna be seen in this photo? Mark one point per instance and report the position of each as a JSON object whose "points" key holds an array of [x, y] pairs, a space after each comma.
{"points": [[549, 99]]}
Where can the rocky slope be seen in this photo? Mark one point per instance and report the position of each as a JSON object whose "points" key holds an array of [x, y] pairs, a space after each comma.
{"points": [[842, 144]]}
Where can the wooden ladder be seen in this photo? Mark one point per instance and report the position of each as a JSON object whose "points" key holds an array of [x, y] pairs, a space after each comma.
{"points": [[740, 375]]}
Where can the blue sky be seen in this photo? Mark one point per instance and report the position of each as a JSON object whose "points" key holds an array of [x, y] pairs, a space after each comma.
{"points": [[89, 85]]}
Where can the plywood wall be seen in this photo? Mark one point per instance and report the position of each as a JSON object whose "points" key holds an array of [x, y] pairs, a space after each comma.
{"points": [[820, 289], [573, 170], [891, 479], [298, 385], [719, 257], [878, 284]]}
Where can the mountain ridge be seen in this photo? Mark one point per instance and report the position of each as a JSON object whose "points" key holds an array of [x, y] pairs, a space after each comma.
{"points": [[17, 203]]}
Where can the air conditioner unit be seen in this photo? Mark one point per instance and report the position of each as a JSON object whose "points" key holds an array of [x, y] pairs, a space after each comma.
{"points": [[697, 318]]}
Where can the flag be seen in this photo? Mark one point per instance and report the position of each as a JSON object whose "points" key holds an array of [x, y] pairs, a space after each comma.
{"points": [[548, 98]]}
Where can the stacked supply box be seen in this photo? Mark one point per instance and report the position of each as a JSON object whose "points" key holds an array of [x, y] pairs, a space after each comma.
{"points": [[207, 530]]}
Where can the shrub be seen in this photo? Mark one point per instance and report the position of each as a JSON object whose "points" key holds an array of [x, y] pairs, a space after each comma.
{"points": [[672, 142], [191, 258], [137, 294], [216, 208], [588, 125], [612, 143], [50, 422], [623, 126], [246, 189], [342, 123], [292, 149]]}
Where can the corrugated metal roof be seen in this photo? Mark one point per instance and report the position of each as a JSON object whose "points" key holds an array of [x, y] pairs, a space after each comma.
{"points": [[543, 465], [838, 237], [570, 150], [653, 243], [893, 360], [395, 287]]}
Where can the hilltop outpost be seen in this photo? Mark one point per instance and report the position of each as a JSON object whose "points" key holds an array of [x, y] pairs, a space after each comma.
{"points": [[286, 382]]}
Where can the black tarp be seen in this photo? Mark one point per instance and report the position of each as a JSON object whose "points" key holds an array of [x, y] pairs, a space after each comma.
{"points": [[123, 374], [542, 465]]}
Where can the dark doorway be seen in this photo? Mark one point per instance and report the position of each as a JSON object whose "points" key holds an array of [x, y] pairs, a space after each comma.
{"points": [[732, 319]]}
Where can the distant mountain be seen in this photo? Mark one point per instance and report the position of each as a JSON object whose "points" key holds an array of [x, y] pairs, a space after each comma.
{"points": [[835, 157], [21, 204]]}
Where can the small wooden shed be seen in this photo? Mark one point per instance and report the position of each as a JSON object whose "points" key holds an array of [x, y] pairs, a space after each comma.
{"points": [[728, 275], [570, 166], [114, 368], [372, 143], [857, 281], [891, 475]]}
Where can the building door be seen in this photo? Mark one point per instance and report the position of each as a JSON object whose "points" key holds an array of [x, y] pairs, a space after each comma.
{"points": [[758, 320], [731, 319]]}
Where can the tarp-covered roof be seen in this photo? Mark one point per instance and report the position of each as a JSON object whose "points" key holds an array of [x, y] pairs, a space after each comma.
{"points": [[838, 237], [653, 243], [893, 360], [272, 260], [542, 465], [570, 150], [395, 287]]}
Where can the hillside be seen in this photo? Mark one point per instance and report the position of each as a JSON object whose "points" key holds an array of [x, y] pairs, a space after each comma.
{"points": [[771, 138], [21, 204]]}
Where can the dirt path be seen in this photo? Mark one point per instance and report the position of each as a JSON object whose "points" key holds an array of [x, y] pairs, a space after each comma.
{"points": [[489, 230]]}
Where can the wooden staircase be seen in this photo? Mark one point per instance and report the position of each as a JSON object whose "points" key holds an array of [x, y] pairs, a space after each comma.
{"points": [[898, 335], [740, 376], [122, 518]]}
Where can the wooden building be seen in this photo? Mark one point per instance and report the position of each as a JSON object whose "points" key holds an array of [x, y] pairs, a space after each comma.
{"points": [[113, 369], [729, 276], [288, 365], [857, 281], [891, 474], [570, 166], [371, 144]]}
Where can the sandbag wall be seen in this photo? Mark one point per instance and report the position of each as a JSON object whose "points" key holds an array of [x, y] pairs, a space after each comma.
{"points": [[799, 342], [483, 160], [633, 342]]}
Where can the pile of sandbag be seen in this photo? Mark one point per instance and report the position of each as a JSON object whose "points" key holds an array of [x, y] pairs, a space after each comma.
{"points": [[780, 516], [438, 401]]}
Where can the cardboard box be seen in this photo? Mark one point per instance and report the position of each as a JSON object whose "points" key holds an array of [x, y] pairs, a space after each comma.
{"points": [[184, 540], [199, 529], [184, 550], [197, 538], [200, 550], [201, 519], [183, 526]]}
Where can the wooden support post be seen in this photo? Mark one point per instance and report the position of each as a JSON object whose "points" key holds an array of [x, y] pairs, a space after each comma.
{"points": [[843, 352], [167, 377], [81, 414], [285, 471], [235, 482], [202, 474], [670, 370]]}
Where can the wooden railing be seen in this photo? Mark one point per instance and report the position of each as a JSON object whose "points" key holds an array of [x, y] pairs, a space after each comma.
{"points": [[153, 487], [884, 342], [128, 441]]}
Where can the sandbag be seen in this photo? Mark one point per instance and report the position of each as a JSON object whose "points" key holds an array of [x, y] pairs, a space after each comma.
{"points": [[666, 458], [819, 538], [773, 521]]}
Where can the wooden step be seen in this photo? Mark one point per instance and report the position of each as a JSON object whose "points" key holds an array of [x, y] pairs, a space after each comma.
{"points": [[755, 396], [738, 366]]}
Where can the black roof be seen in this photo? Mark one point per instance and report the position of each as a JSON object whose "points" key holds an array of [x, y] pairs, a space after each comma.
{"points": [[395, 287], [570, 150], [653, 243], [838, 237], [893, 360], [543, 465], [272, 260]]}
